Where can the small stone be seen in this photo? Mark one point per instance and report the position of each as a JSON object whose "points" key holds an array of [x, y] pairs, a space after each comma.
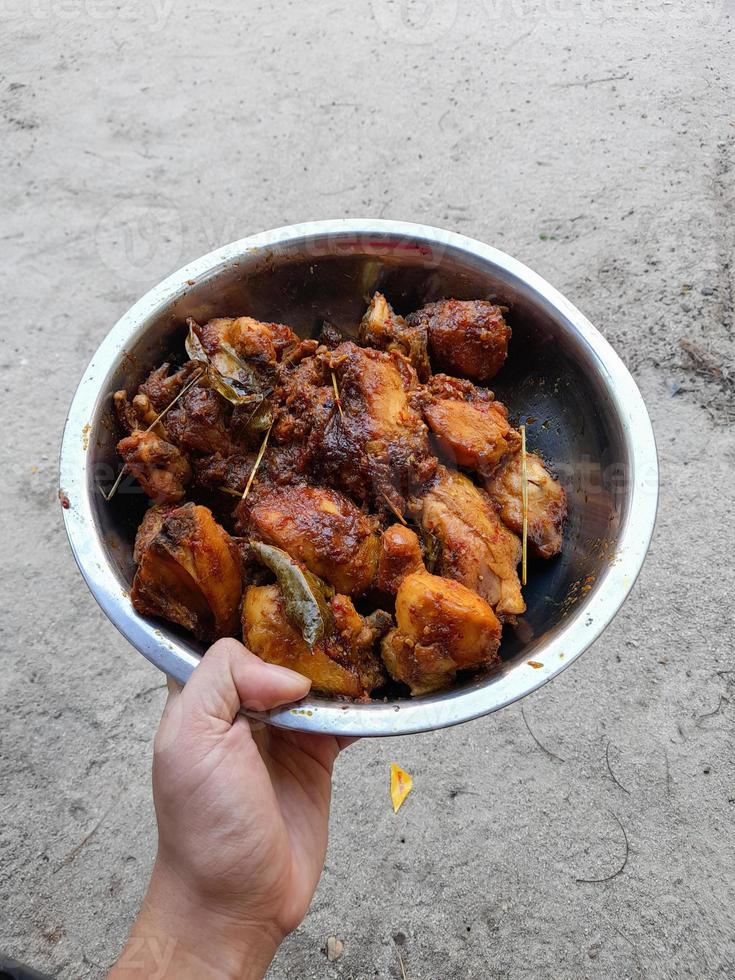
{"points": [[707, 291], [399, 938], [335, 948], [686, 307]]}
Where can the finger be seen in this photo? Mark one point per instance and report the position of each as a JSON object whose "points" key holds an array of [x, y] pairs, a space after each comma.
{"points": [[345, 741], [230, 677]]}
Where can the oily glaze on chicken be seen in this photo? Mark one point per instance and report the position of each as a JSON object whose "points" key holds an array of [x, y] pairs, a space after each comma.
{"points": [[319, 527], [470, 428], [547, 502], [159, 467], [342, 664], [476, 547], [188, 572], [381, 327], [377, 447], [297, 494], [442, 627], [466, 337]]}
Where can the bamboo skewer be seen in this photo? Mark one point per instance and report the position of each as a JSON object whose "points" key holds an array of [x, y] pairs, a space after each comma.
{"points": [[256, 464], [113, 490], [395, 510], [524, 500], [336, 395]]}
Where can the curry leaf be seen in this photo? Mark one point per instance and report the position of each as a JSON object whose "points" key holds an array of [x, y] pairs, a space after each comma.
{"points": [[305, 596], [193, 344], [432, 547]]}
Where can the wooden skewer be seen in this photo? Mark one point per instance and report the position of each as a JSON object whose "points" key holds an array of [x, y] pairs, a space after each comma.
{"points": [[256, 464], [524, 499], [108, 496], [395, 510], [336, 395], [171, 404]]}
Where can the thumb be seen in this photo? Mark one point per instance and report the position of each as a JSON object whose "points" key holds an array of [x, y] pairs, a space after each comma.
{"points": [[230, 677]]}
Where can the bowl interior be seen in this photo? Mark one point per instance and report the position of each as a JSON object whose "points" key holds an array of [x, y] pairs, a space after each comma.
{"points": [[554, 381]]}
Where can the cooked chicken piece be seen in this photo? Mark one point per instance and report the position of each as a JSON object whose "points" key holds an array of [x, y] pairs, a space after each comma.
{"points": [[161, 388], [342, 664], [378, 447], [159, 467], [547, 502], [381, 327], [331, 335], [468, 337], [149, 527], [136, 414], [400, 555], [189, 573], [251, 339], [280, 466], [476, 548], [442, 627], [469, 426], [321, 528], [199, 423]]}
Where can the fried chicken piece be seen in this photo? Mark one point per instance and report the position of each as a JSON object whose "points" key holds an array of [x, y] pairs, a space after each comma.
{"points": [[469, 426], [468, 337], [547, 502], [476, 548], [149, 527], [442, 627], [161, 387], [320, 528], [159, 467], [381, 327], [378, 448], [199, 423], [136, 414], [251, 339], [189, 572], [280, 466], [342, 664], [400, 555]]}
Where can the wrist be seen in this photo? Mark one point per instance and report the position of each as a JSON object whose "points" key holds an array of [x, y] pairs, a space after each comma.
{"points": [[188, 936]]}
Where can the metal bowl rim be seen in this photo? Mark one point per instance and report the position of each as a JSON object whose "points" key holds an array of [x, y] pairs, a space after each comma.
{"points": [[584, 624]]}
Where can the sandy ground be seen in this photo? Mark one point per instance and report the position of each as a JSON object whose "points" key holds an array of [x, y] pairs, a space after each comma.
{"points": [[595, 141]]}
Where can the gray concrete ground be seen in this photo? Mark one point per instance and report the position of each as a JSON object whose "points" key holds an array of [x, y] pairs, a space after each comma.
{"points": [[595, 141]]}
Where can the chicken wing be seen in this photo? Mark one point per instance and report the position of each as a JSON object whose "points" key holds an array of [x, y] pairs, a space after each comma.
{"points": [[547, 502], [469, 426], [400, 555], [189, 572], [377, 449], [342, 664], [251, 339], [476, 548], [381, 327], [199, 423], [468, 337], [319, 527], [161, 387], [160, 468], [442, 627]]}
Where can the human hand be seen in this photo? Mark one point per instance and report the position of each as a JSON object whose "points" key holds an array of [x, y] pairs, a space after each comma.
{"points": [[242, 812]]}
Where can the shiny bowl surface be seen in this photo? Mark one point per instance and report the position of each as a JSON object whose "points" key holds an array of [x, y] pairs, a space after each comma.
{"points": [[582, 409]]}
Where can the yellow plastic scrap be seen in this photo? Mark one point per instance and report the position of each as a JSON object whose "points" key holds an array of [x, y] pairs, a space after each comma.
{"points": [[401, 785]]}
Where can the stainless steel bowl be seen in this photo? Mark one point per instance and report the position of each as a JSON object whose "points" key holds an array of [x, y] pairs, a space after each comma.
{"points": [[583, 411]]}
